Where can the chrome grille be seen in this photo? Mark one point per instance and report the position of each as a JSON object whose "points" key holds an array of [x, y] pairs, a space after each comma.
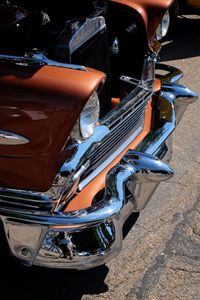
{"points": [[122, 126], [21, 200]]}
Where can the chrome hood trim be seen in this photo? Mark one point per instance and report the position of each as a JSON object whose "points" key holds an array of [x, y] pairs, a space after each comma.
{"points": [[36, 59]]}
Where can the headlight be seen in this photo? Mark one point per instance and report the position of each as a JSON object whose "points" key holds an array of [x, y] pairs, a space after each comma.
{"points": [[163, 28], [88, 119]]}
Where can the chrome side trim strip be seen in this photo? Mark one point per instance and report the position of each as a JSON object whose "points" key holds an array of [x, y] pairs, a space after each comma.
{"points": [[11, 138]]}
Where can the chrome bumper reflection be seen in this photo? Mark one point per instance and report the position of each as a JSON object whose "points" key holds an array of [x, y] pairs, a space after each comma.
{"points": [[90, 237]]}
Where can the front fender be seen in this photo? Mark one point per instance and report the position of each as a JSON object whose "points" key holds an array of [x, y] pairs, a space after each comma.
{"points": [[151, 12], [36, 103]]}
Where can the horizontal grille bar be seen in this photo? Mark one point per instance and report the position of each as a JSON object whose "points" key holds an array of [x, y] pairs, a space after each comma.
{"points": [[25, 201]]}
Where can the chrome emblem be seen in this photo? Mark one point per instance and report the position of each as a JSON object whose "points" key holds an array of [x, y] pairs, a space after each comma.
{"points": [[10, 138]]}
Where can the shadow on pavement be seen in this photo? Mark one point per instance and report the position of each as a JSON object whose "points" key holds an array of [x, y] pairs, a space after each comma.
{"points": [[24, 283], [184, 42], [34, 283]]}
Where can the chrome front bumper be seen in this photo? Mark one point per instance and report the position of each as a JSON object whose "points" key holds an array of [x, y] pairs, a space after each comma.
{"points": [[90, 237]]}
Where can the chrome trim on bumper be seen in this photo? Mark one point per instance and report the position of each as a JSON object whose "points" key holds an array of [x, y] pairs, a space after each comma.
{"points": [[101, 224], [173, 75]]}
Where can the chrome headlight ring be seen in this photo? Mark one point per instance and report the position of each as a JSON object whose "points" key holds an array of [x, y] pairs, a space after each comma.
{"points": [[163, 27], [88, 119]]}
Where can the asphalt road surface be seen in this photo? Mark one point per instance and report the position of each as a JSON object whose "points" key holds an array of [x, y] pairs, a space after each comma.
{"points": [[161, 254]]}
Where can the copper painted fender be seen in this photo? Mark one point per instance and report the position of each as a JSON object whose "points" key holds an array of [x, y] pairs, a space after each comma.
{"points": [[38, 103], [151, 11]]}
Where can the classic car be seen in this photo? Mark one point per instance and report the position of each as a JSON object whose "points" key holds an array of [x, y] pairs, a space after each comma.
{"points": [[86, 122]]}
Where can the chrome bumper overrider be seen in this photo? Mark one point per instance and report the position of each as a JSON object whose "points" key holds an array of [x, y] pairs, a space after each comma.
{"points": [[92, 236]]}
